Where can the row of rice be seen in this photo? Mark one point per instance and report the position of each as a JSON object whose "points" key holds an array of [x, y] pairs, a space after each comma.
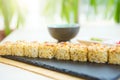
{"points": [[63, 51]]}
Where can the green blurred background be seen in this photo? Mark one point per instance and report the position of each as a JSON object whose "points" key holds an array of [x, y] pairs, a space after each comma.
{"points": [[15, 13]]}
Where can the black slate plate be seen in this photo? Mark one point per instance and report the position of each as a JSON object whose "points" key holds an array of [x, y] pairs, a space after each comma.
{"points": [[86, 70]]}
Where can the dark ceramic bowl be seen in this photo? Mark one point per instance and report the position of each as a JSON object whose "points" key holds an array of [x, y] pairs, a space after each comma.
{"points": [[63, 32]]}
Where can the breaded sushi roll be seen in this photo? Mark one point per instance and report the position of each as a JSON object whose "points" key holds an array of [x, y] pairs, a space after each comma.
{"points": [[5, 48], [31, 49], [63, 51], [98, 53], [18, 48], [114, 55], [78, 52], [47, 50]]}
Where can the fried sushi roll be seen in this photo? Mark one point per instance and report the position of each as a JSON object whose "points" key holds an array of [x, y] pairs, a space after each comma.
{"points": [[78, 52], [47, 50], [114, 55], [63, 51], [31, 49], [18, 48], [5, 48], [98, 53]]}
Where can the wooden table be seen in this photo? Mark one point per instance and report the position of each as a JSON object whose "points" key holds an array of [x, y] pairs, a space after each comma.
{"points": [[13, 70]]}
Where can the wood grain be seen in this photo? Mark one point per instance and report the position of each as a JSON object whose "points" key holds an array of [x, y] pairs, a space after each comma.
{"points": [[41, 71]]}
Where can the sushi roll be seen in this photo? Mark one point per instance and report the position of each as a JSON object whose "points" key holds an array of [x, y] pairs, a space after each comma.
{"points": [[78, 52], [98, 53], [5, 48], [18, 48], [47, 50], [114, 55], [63, 51], [31, 49]]}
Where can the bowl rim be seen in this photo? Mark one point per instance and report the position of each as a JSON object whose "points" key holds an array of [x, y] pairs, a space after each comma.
{"points": [[63, 25]]}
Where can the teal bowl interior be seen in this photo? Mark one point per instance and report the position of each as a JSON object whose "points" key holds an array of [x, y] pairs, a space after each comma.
{"points": [[63, 32]]}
